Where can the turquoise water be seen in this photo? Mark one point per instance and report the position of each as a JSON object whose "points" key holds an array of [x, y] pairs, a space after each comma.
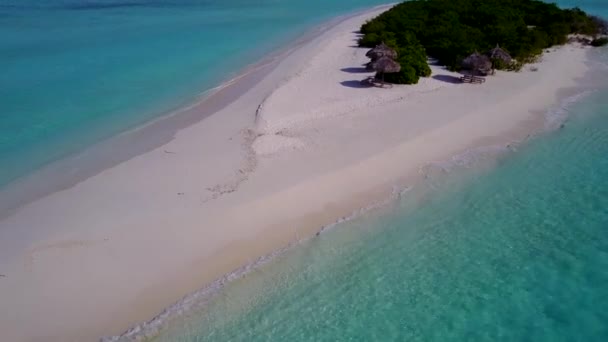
{"points": [[515, 252], [77, 71], [518, 252]]}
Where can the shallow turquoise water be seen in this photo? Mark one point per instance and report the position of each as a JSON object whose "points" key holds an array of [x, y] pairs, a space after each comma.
{"points": [[514, 252], [78, 71]]}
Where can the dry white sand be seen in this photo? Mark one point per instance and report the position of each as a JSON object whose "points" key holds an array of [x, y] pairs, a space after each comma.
{"points": [[302, 148]]}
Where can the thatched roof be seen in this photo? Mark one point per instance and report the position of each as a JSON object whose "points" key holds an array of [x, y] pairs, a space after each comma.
{"points": [[477, 62], [499, 54], [381, 50], [386, 65]]}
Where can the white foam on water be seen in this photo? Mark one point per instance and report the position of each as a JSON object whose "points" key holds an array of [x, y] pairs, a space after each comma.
{"points": [[469, 159], [557, 116], [202, 297]]}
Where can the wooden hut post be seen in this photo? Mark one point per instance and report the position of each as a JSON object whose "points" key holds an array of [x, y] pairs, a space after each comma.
{"points": [[385, 64]]}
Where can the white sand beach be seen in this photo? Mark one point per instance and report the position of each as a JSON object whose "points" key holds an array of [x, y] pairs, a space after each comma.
{"points": [[302, 148]]}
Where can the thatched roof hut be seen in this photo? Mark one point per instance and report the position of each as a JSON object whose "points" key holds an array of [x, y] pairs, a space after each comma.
{"points": [[382, 50], [478, 63], [500, 54], [386, 65], [369, 66]]}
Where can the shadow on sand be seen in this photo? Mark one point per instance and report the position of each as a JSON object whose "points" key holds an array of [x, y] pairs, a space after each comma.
{"points": [[448, 79], [355, 84], [356, 70]]}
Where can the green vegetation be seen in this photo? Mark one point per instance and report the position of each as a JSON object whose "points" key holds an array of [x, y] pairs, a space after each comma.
{"points": [[412, 59], [450, 30], [599, 41]]}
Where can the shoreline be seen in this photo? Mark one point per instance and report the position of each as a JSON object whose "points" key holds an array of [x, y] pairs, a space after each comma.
{"points": [[92, 160], [238, 207], [199, 298]]}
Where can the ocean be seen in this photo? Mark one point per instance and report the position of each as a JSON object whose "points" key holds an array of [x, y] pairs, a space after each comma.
{"points": [[508, 248], [515, 249], [512, 249]]}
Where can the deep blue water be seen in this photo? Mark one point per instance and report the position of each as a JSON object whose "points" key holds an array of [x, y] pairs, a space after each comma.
{"points": [[77, 71]]}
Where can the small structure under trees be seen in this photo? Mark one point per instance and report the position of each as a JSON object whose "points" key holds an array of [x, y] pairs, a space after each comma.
{"points": [[385, 65], [478, 64], [499, 57], [381, 50], [450, 30], [383, 62]]}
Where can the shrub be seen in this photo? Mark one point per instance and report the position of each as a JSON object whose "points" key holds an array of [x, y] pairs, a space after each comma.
{"points": [[372, 39], [516, 66], [407, 75], [599, 41], [373, 26], [499, 64], [451, 30]]}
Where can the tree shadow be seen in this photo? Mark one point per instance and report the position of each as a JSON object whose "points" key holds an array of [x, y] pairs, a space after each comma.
{"points": [[355, 84], [448, 79], [356, 70]]}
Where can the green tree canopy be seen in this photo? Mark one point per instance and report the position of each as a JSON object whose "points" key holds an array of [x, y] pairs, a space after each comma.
{"points": [[450, 30]]}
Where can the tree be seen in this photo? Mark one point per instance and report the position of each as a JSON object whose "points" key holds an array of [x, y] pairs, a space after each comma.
{"points": [[450, 30]]}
